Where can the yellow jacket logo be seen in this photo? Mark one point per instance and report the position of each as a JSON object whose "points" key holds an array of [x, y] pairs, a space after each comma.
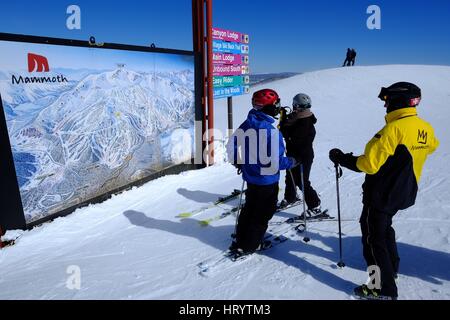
{"points": [[422, 137]]}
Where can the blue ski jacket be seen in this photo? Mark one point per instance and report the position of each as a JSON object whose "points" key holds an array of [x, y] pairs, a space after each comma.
{"points": [[261, 147]]}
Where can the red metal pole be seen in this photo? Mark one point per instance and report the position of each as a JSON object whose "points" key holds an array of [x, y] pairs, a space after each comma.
{"points": [[210, 81], [198, 28]]}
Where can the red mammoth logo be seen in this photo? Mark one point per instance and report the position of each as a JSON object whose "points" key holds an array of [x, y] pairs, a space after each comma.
{"points": [[37, 63]]}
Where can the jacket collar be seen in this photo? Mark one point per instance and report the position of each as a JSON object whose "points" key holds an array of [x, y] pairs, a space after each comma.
{"points": [[400, 113], [261, 115]]}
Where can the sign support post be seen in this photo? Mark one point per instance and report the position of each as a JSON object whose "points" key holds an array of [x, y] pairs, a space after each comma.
{"points": [[198, 27], [209, 80], [230, 115], [202, 36]]}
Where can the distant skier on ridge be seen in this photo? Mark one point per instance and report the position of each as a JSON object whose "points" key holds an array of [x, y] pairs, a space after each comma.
{"points": [[348, 58], [353, 57]]}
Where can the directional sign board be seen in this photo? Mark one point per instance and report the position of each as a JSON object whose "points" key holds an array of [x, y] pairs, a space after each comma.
{"points": [[229, 58], [230, 63], [230, 36], [230, 81], [230, 91], [229, 70]]}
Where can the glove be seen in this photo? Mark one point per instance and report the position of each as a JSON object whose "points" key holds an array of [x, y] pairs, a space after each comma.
{"points": [[347, 160], [336, 156], [294, 161]]}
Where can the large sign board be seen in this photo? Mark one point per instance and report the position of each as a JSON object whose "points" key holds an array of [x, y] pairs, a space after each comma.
{"points": [[230, 63], [84, 121]]}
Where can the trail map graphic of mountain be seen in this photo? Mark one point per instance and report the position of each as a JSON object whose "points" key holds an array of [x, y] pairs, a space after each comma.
{"points": [[76, 139]]}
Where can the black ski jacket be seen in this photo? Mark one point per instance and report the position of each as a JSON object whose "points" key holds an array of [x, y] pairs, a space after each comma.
{"points": [[299, 134]]}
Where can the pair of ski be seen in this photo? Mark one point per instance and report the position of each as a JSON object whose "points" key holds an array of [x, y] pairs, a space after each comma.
{"points": [[278, 232], [228, 258], [222, 200], [323, 216], [223, 215], [298, 219]]}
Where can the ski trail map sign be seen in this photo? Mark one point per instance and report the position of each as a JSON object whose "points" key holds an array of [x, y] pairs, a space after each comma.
{"points": [[82, 122]]}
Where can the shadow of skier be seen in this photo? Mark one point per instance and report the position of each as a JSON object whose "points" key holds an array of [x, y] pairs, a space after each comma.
{"points": [[422, 263], [418, 262], [309, 259], [199, 196], [217, 237]]}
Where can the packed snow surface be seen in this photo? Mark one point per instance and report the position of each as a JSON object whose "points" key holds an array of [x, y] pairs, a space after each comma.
{"points": [[134, 247]]}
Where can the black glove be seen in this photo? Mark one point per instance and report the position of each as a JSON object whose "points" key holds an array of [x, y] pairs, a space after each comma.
{"points": [[238, 167], [336, 156], [347, 160]]}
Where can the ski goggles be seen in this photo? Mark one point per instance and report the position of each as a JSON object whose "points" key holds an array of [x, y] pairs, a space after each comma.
{"points": [[301, 106]]}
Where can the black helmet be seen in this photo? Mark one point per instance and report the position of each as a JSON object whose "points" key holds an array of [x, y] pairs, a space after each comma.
{"points": [[401, 95]]}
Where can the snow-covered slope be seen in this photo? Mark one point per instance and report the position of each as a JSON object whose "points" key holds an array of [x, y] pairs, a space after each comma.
{"points": [[133, 246]]}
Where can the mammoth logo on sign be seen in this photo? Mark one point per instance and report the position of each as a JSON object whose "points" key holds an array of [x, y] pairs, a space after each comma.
{"points": [[37, 63]]}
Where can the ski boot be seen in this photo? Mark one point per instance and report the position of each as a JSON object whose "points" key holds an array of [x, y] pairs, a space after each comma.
{"points": [[363, 292], [285, 203], [314, 214]]}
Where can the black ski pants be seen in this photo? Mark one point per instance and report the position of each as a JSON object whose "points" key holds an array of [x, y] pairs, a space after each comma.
{"points": [[260, 206], [312, 199], [380, 247]]}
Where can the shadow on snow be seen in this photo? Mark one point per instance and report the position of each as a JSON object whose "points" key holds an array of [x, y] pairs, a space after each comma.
{"points": [[422, 263]]}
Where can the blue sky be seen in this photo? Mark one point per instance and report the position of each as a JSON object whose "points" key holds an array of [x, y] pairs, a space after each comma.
{"points": [[289, 35]]}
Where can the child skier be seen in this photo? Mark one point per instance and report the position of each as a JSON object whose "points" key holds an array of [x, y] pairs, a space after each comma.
{"points": [[299, 132]]}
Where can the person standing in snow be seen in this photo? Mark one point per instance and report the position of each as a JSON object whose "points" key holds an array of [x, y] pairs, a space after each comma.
{"points": [[348, 58], [393, 162], [353, 57], [257, 149], [299, 132]]}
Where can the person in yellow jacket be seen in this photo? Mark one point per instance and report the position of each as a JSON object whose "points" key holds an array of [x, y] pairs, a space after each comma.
{"points": [[393, 162]]}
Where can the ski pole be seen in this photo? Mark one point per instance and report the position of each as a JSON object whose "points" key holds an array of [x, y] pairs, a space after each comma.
{"points": [[239, 210], [306, 238], [341, 263]]}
